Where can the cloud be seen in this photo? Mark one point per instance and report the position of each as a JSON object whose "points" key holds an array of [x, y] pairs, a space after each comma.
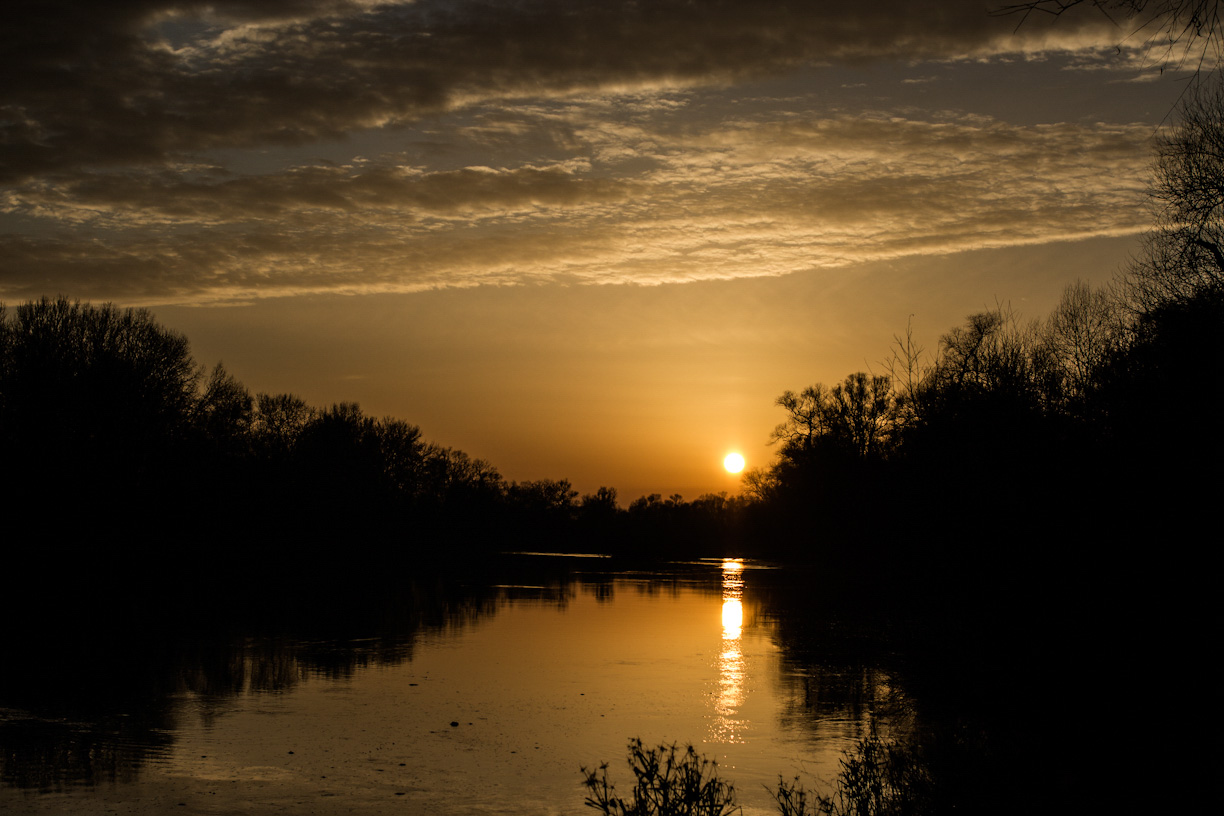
{"points": [[310, 194], [636, 199], [145, 81]]}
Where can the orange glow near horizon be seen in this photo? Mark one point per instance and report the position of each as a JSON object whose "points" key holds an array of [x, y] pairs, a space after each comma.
{"points": [[608, 308]]}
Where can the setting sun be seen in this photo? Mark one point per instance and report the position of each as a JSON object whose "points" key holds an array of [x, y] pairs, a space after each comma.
{"points": [[734, 463]]}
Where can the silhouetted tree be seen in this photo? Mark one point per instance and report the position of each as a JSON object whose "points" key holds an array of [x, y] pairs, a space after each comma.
{"points": [[993, 363], [1082, 332], [458, 482], [599, 505], [646, 504], [863, 407], [342, 475], [1184, 254], [854, 416], [95, 405], [278, 422], [1159, 399], [988, 418], [62, 357], [403, 454], [760, 484], [808, 417], [225, 409], [551, 497]]}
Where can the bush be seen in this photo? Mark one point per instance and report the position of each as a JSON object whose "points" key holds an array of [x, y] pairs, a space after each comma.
{"points": [[878, 779], [670, 782]]}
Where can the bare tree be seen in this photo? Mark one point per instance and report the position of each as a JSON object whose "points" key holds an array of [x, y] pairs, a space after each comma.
{"points": [[1081, 333], [863, 407], [225, 407], [93, 374], [1184, 254], [855, 415], [279, 420], [807, 419], [992, 356], [907, 368], [760, 484]]}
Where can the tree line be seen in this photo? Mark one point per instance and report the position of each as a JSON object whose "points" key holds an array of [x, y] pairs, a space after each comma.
{"points": [[109, 422], [1096, 421], [1030, 447]]}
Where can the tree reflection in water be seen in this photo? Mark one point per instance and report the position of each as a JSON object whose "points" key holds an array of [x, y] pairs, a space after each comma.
{"points": [[92, 695], [88, 709]]}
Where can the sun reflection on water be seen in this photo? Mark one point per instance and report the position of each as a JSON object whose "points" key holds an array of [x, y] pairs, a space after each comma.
{"points": [[726, 725], [733, 618]]}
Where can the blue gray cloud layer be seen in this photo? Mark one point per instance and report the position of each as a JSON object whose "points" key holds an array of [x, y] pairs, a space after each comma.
{"points": [[214, 152]]}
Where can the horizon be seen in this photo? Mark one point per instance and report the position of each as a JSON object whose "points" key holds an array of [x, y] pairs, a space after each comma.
{"points": [[592, 247]]}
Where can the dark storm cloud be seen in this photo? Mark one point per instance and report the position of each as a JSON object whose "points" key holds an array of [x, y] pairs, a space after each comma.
{"points": [[104, 83]]}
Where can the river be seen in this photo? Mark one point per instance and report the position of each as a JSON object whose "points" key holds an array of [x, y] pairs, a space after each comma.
{"points": [[482, 693]]}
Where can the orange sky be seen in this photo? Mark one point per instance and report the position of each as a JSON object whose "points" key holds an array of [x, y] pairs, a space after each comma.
{"points": [[584, 241]]}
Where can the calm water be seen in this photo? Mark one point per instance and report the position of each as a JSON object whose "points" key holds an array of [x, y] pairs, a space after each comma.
{"points": [[486, 695]]}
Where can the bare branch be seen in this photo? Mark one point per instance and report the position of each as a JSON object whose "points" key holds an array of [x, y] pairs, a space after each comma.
{"points": [[1192, 26]]}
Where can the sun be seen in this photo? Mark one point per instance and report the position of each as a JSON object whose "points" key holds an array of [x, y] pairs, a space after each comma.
{"points": [[734, 463]]}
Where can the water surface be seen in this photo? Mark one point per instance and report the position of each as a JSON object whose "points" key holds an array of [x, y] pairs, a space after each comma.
{"points": [[488, 701]]}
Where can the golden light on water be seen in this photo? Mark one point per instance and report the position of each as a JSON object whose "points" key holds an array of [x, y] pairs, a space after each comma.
{"points": [[733, 618], [727, 725], [732, 594]]}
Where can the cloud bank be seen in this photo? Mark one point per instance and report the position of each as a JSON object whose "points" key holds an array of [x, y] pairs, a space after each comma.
{"points": [[142, 145]]}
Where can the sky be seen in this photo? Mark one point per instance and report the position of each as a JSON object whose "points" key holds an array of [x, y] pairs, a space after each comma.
{"points": [[581, 240]]}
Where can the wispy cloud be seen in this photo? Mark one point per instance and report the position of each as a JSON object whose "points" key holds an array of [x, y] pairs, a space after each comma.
{"points": [[747, 198], [516, 141], [100, 84]]}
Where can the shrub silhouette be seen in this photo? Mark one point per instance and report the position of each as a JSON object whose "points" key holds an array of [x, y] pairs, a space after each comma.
{"points": [[670, 782], [878, 778]]}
